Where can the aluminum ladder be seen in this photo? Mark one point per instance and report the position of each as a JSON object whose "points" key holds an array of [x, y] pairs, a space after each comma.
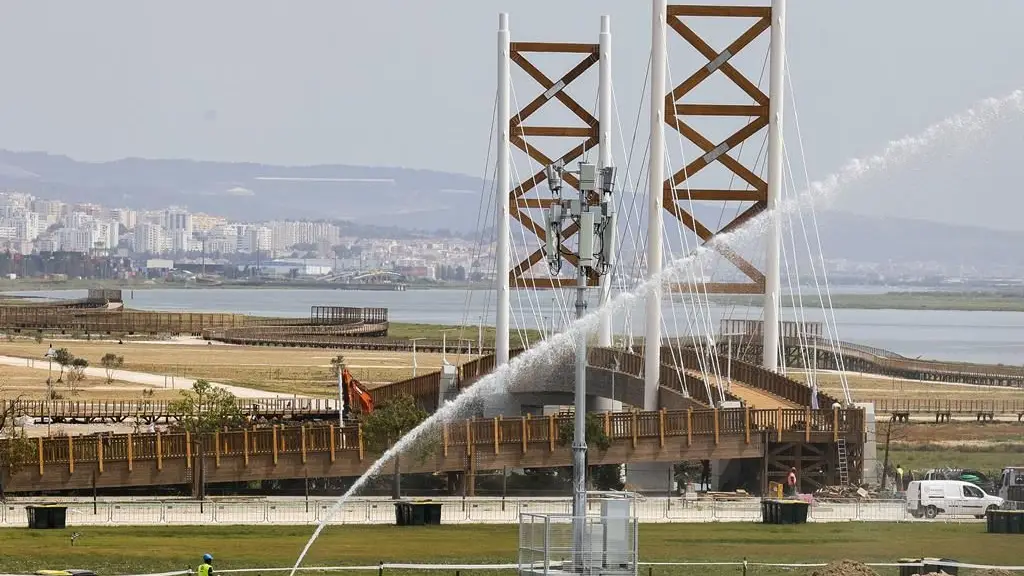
{"points": [[844, 470]]}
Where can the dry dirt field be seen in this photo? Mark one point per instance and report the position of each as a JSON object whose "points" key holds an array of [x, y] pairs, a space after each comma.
{"points": [[30, 384], [286, 370]]}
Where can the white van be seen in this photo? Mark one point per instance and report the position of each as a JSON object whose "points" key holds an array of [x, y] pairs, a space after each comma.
{"points": [[929, 498]]}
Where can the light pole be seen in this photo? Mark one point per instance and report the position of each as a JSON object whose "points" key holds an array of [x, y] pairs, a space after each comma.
{"points": [[413, 340], [593, 219], [444, 344], [49, 372]]}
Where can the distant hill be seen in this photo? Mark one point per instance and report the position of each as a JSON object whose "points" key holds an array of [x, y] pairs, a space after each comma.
{"points": [[412, 199], [400, 198]]}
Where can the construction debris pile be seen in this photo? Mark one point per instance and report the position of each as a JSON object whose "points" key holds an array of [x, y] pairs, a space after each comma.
{"points": [[844, 568], [848, 492]]}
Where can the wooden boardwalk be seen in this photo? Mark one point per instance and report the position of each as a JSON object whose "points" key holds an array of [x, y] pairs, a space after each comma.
{"points": [[120, 460]]}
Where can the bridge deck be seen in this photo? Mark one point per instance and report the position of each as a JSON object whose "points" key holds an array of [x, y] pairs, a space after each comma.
{"points": [[758, 398], [326, 451]]}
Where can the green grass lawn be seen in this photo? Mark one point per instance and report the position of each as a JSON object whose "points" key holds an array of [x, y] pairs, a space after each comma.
{"points": [[129, 549]]}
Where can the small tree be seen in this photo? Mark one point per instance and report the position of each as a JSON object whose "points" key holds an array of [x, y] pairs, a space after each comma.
{"points": [[63, 358], [338, 364], [76, 373], [206, 408], [16, 448], [388, 423], [111, 362], [203, 410]]}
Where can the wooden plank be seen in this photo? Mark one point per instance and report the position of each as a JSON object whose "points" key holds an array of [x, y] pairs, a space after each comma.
{"points": [[710, 195], [721, 11], [555, 131], [554, 47], [721, 109], [718, 287]]}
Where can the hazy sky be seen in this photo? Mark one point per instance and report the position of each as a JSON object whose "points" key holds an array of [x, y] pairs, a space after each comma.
{"points": [[390, 82]]}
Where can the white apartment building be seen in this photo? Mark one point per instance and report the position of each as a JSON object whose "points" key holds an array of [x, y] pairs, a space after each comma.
{"points": [[175, 218], [126, 217], [149, 239], [74, 240]]}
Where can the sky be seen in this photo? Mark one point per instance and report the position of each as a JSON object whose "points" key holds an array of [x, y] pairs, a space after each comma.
{"points": [[411, 84]]}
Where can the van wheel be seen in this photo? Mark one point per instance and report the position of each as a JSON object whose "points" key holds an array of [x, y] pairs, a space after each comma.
{"points": [[931, 512]]}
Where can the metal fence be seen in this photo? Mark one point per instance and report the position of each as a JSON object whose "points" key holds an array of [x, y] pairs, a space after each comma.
{"points": [[297, 511]]}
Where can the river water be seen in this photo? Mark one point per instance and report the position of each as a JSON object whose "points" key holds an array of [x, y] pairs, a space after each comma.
{"points": [[989, 337]]}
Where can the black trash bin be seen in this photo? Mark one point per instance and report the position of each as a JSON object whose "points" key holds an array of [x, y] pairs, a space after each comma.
{"points": [[47, 516], [1005, 521], [417, 513], [784, 511], [930, 568]]}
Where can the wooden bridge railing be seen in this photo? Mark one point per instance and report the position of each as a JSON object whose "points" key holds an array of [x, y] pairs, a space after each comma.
{"points": [[108, 409], [497, 434], [753, 376], [952, 406]]}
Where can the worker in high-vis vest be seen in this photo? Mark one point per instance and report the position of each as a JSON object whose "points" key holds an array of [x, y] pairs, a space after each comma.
{"points": [[206, 568]]}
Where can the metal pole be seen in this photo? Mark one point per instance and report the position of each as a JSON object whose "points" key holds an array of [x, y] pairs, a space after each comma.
{"points": [[604, 114], [341, 397], [579, 439], [501, 338], [656, 167], [776, 94]]}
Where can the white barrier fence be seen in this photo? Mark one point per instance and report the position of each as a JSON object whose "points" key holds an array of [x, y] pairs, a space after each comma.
{"points": [[741, 567], [296, 511]]}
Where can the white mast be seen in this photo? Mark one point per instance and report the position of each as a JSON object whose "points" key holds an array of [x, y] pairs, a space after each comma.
{"points": [[656, 178], [604, 116], [772, 286], [501, 338]]}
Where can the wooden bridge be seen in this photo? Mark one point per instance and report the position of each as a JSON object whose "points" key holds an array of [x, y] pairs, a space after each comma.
{"points": [[944, 410], [276, 452], [823, 354], [164, 411]]}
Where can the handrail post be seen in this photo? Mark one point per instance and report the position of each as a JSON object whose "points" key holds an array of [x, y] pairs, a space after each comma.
{"points": [[359, 435], [807, 424], [331, 430], [716, 426], [245, 447], [689, 426], [444, 439], [216, 449], [746, 423], [778, 423], [551, 432], [71, 454], [99, 452], [661, 428], [497, 449], [273, 437], [159, 453], [525, 431], [835, 424], [302, 435], [633, 426], [129, 451], [188, 449], [39, 443]]}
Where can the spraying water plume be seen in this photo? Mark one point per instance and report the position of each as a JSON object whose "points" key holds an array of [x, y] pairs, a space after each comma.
{"points": [[972, 121]]}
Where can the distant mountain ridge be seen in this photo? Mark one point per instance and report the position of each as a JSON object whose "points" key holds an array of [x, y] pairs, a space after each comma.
{"points": [[425, 200]]}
